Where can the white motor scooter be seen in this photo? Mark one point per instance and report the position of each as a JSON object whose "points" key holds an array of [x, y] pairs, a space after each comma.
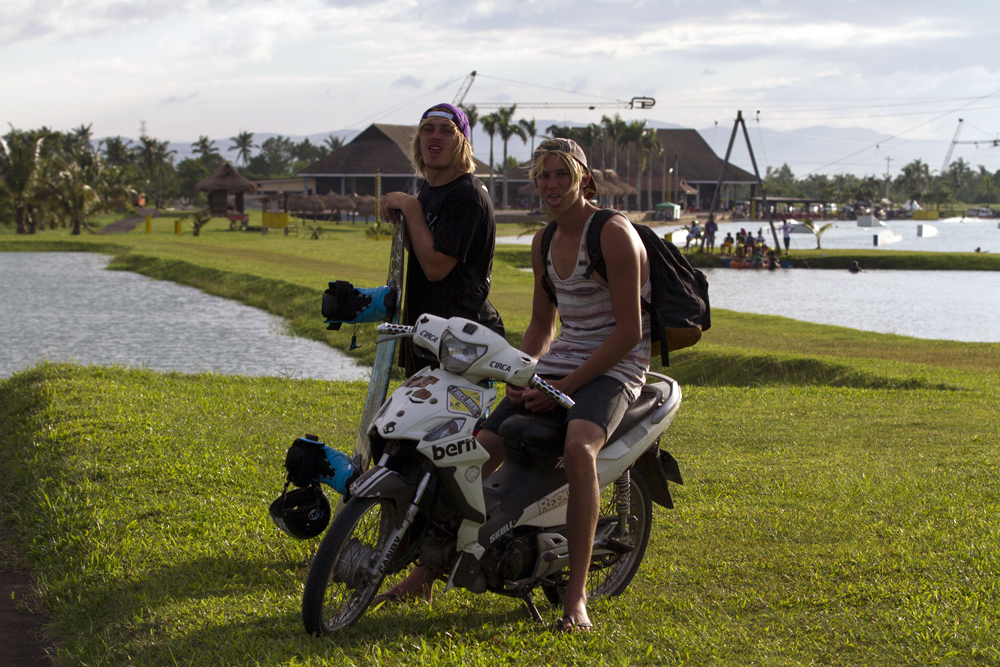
{"points": [[425, 500]]}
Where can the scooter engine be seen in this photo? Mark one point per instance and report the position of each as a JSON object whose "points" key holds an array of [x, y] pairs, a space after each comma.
{"points": [[517, 558]]}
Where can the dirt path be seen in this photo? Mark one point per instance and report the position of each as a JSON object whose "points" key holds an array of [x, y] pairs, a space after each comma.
{"points": [[126, 225]]}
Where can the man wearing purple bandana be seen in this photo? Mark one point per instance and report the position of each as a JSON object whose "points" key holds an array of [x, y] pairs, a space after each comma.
{"points": [[451, 229]]}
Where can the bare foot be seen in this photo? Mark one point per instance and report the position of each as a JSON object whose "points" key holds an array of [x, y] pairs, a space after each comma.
{"points": [[418, 585]]}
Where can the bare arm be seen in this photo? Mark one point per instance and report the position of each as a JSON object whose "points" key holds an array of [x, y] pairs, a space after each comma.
{"points": [[436, 265], [542, 327]]}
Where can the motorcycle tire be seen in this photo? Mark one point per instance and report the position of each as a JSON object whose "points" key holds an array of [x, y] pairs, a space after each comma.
{"points": [[610, 575], [339, 589]]}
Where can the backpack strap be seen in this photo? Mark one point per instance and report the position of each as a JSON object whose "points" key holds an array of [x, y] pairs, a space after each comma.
{"points": [[547, 233], [594, 253]]}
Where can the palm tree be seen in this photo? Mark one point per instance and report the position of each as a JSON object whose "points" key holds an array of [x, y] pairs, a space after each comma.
{"points": [[153, 157], [204, 148], [590, 136], [71, 190], [472, 113], [489, 123], [116, 151], [614, 128], [649, 148], [80, 139], [333, 143], [530, 129], [243, 142], [507, 129], [19, 168], [632, 135], [561, 132]]}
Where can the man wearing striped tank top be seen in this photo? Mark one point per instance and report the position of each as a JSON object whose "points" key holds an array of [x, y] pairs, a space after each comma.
{"points": [[600, 355]]}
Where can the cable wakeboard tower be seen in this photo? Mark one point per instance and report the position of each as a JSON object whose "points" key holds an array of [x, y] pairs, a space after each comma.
{"points": [[635, 103]]}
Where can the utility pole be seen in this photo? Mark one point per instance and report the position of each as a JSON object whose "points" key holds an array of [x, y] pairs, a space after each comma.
{"points": [[887, 161]]}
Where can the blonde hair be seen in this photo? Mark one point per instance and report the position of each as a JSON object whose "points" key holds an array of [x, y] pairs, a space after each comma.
{"points": [[463, 153], [576, 169]]}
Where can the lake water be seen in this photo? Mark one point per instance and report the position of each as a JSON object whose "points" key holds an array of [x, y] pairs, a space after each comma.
{"points": [[953, 235], [946, 305], [66, 307]]}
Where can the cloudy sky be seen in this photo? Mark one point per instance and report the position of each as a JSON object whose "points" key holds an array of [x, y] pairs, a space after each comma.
{"points": [[217, 67]]}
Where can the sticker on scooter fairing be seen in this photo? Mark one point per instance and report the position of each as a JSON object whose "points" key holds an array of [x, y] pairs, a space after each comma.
{"points": [[464, 401], [421, 381]]}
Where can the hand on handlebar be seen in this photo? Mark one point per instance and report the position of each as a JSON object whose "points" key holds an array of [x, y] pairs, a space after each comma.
{"points": [[537, 399]]}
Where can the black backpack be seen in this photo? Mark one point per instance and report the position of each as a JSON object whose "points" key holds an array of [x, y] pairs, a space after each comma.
{"points": [[679, 296]]}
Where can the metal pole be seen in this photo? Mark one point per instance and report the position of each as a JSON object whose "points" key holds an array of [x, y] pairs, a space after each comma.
{"points": [[760, 183]]}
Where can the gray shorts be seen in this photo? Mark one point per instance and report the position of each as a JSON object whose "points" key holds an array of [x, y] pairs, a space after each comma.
{"points": [[602, 401]]}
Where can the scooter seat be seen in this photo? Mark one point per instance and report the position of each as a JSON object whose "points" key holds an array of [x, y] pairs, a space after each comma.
{"points": [[547, 430]]}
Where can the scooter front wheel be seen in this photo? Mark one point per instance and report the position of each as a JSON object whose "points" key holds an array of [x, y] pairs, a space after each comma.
{"points": [[341, 585]]}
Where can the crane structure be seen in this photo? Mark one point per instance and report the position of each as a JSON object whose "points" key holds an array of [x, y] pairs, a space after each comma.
{"points": [[954, 140], [634, 103]]}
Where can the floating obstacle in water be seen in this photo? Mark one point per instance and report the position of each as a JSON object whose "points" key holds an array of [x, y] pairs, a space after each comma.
{"points": [[926, 230]]}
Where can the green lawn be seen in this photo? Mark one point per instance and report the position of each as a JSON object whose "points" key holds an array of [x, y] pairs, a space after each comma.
{"points": [[839, 505]]}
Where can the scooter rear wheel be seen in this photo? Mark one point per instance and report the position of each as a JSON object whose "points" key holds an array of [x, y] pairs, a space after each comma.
{"points": [[340, 587], [611, 574]]}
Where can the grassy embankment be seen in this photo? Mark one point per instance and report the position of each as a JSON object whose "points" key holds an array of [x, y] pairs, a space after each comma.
{"points": [[839, 506]]}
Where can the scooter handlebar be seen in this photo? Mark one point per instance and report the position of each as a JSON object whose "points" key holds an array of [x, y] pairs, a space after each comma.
{"points": [[392, 331], [550, 391]]}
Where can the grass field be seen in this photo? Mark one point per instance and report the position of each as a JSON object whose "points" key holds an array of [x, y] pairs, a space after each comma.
{"points": [[839, 505]]}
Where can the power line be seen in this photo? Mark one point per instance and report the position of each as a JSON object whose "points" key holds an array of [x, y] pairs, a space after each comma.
{"points": [[896, 136]]}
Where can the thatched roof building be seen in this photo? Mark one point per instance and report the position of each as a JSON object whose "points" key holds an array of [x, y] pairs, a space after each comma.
{"points": [[379, 148], [223, 181]]}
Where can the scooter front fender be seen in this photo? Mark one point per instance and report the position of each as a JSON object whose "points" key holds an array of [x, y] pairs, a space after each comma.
{"points": [[379, 482]]}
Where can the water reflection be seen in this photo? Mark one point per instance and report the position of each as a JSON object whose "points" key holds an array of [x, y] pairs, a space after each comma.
{"points": [[66, 307], [944, 305]]}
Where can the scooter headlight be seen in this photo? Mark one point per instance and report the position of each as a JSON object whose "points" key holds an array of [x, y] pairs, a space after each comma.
{"points": [[457, 355]]}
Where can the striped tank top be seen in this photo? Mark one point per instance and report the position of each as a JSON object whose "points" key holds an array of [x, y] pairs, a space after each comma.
{"points": [[586, 320]]}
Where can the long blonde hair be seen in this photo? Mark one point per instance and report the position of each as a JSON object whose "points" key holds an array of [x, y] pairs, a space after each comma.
{"points": [[463, 153]]}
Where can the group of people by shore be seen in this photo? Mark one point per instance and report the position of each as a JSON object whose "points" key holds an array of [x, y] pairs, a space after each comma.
{"points": [[748, 251]]}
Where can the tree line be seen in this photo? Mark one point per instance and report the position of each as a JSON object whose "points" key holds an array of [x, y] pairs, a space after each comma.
{"points": [[51, 179], [960, 183]]}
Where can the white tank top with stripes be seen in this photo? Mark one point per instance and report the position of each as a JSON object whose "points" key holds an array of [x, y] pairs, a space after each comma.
{"points": [[586, 320]]}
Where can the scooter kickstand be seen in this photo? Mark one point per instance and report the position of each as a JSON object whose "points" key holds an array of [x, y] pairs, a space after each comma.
{"points": [[531, 608]]}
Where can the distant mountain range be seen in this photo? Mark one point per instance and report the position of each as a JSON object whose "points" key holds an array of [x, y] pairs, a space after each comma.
{"points": [[825, 150]]}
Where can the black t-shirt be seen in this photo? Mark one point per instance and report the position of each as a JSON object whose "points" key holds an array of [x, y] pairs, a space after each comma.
{"points": [[460, 216]]}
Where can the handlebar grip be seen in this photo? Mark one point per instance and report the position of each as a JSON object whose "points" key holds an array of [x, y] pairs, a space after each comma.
{"points": [[550, 391], [394, 329]]}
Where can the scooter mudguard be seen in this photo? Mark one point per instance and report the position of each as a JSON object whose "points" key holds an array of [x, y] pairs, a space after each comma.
{"points": [[379, 482]]}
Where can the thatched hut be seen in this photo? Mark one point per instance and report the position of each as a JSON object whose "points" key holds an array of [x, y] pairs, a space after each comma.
{"points": [[224, 180], [365, 205]]}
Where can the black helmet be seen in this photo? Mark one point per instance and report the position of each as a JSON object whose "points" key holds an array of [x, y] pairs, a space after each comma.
{"points": [[302, 513]]}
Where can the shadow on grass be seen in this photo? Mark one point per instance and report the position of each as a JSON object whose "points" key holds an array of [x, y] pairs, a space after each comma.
{"points": [[716, 368]]}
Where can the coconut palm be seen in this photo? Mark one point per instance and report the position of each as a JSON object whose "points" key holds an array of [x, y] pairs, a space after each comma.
{"points": [[243, 143], [588, 137], [204, 148], [561, 132], [614, 128], [71, 191], [489, 123], [531, 129], [80, 139], [117, 152], [632, 135], [649, 148], [154, 159], [472, 113], [333, 143], [19, 170], [506, 128], [817, 231]]}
